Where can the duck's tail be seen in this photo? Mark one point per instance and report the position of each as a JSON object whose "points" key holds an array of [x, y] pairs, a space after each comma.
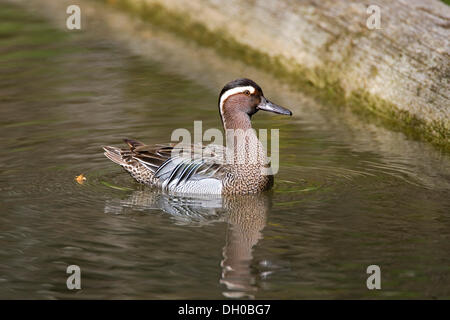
{"points": [[114, 154], [126, 159], [121, 156]]}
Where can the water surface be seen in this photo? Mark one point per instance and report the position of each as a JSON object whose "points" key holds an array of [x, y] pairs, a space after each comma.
{"points": [[348, 195]]}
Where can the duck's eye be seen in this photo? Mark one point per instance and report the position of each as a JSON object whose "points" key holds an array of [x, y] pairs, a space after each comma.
{"points": [[247, 93]]}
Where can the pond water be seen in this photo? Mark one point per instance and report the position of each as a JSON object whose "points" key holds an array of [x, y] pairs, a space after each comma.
{"points": [[348, 194]]}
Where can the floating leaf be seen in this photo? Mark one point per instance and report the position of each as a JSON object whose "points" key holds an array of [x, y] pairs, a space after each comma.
{"points": [[80, 179]]}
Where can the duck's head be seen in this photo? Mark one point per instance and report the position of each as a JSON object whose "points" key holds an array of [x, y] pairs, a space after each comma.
{"points": [[242, 98]]}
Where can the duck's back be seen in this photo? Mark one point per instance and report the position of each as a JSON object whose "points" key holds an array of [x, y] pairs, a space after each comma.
{"points": [[180, 169]]}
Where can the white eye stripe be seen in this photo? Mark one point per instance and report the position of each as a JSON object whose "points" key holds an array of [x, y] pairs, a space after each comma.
{"points": [[233, 91]]}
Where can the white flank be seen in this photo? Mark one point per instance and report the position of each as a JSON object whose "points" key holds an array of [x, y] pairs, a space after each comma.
{"points": [[201, 186]]}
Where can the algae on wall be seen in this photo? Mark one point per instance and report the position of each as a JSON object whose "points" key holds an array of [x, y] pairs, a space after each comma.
{"points": [[397, 74]]}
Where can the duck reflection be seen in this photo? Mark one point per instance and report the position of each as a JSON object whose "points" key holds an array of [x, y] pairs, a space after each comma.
{"points": [[245, 216]]}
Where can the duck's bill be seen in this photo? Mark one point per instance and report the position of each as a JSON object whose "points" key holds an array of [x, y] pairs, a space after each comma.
{"points": [[266, 105]]}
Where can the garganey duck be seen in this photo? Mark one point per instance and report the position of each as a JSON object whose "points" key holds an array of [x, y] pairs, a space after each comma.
{"points": [[240, 167]]}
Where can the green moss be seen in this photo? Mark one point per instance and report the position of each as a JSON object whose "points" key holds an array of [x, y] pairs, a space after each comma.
{"points": [[322, 83], [390, 116], [373, 71]]}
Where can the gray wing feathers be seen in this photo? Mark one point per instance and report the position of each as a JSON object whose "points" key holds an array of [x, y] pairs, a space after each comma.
{"points": [[187, 171], [203, 168]]}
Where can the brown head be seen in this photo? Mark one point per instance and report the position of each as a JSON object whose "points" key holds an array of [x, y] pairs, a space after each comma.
{"points": [[242, 98]]}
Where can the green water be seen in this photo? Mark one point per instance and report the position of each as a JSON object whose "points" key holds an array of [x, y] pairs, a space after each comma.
{"points": [[344, 198]]}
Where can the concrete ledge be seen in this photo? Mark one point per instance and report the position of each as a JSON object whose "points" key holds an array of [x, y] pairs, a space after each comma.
{"points": [[398, 74]]}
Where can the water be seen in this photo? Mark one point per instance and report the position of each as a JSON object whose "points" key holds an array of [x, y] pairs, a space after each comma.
{"points": [[349, 194]]}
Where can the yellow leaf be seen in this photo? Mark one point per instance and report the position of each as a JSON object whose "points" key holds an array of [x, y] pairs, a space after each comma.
{"points": [[80, 179]]}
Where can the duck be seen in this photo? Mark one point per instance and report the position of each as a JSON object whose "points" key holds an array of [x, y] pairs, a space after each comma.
{"points": [[238, 167]]}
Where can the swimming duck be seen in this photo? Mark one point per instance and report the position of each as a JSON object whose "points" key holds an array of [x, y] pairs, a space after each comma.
{"points": [[237, 168]]}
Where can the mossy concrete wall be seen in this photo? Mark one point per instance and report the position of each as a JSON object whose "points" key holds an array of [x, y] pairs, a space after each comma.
{"points": [[398, 73]]}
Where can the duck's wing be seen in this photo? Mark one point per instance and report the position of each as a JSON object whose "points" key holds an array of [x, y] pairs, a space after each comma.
{"points": [[176, 165]]}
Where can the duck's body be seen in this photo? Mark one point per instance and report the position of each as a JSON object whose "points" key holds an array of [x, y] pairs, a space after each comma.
{"points": [[238, 168]]}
